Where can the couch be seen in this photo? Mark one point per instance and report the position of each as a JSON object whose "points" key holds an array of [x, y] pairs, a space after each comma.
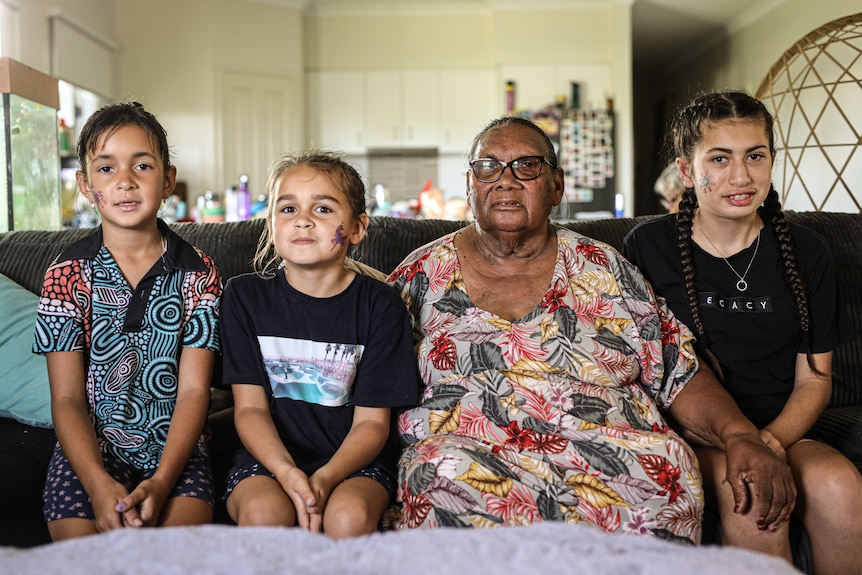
{"points": [[24, 255]]}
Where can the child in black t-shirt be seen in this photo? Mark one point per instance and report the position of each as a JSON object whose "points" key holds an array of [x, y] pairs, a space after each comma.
{"points": [[317, 356]]}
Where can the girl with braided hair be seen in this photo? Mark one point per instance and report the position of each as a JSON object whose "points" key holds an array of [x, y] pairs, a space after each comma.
{"points": [[761, 296]]}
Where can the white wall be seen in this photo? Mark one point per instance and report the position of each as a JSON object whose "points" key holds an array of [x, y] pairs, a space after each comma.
{"points": [[513, 38], [173, 54]]}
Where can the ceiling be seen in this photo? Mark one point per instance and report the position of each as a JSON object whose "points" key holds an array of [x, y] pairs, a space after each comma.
{"points": [[675, 31]]}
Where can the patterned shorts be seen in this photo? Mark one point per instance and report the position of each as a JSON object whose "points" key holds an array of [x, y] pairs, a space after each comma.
{"points": [[64, 496], [252, 469]]}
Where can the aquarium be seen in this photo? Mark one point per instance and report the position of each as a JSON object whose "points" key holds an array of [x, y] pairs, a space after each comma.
{"points": [[30, 198]]}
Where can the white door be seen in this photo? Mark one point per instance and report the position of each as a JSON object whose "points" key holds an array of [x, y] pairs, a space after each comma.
{"points": [[260, 123]]}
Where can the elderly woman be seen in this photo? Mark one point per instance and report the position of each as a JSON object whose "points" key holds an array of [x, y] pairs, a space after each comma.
{"points": [[547, 364]]}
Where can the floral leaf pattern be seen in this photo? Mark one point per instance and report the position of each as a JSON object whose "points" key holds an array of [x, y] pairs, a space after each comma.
{"points": [[554, 417]]}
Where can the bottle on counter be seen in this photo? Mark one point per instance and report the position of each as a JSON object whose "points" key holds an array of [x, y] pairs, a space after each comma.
{"points": [[243, 199]]}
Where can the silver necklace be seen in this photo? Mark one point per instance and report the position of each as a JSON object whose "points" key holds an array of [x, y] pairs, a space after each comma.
{"points": [[741, 285]]}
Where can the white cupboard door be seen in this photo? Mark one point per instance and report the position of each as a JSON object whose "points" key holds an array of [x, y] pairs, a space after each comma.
{"points": [[335, 105], [383, 120], [469, 99], [421, 108], [260, 121]]}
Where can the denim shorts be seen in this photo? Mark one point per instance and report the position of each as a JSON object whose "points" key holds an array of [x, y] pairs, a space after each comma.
{"points": [[64, 496]]}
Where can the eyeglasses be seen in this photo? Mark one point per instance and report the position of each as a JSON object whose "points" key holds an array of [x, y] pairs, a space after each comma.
{"points": [[489, 170]]}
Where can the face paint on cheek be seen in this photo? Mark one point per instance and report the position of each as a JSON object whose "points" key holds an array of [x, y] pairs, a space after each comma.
{"points": [[706, 183], [98, 197], [339, 239]]}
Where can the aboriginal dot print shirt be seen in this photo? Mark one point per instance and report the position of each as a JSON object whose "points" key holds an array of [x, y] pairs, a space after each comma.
{"points": [[131, 339]]}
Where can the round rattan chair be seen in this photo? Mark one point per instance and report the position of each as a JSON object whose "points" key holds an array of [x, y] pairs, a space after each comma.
{"points": [[815, 93]]}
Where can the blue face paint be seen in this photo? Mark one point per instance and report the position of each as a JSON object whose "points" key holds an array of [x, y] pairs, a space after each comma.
{"points": [[706, 183]]}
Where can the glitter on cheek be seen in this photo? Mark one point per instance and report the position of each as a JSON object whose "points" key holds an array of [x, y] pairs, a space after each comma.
{"points": [[339, 238], [98, 197], [706, 183]]}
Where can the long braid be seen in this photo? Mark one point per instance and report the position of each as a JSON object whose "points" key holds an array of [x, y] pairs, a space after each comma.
{"points": [[684, 222], [771, 209]]}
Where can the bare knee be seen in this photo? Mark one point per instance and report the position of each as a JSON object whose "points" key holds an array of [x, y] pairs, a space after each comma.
{"points": [[355, 508], [260, 501], [350, 520]]}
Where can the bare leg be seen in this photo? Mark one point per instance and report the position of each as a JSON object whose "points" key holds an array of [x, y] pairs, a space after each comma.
{"points": [[63, 529], [354, 508], [739, 529], [260, 500], [829, 504], [185, 511]]}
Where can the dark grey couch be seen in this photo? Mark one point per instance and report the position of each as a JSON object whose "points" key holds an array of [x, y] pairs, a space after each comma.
{"points": [[24, 255]]}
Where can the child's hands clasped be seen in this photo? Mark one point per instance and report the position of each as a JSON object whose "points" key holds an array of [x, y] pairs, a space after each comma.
{"points": [[143, 506], [309, 497]]}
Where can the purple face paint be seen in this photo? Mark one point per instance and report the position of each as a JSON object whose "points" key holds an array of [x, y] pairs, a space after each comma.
{"points": [[706, 183], [339, 238], [98, 197]]}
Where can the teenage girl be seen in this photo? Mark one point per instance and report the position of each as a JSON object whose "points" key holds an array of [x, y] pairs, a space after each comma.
{"points": [[317, 357], [761, 295], [127, 321]]}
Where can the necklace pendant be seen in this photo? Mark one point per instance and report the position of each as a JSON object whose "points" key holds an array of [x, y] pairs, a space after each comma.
{"points": [[742, 285]]}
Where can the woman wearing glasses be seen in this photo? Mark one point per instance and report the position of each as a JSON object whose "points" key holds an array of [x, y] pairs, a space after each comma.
{"points": [[547, 365]]}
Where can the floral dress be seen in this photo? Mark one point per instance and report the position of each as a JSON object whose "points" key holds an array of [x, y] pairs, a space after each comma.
{"points": [[554, 417]]}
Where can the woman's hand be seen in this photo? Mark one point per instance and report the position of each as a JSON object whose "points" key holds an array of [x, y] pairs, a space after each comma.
{"points": [[759, 480]]}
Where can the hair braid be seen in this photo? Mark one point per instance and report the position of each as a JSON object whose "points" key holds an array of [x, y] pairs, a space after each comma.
{"points": [[793, 275], [684, 222]]}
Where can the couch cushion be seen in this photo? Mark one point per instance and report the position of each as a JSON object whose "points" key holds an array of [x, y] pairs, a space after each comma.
{"points": [[24, 392]]}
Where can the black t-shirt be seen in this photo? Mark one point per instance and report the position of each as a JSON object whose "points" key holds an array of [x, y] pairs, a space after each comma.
{"points": [[317, 358], [755, 334]]}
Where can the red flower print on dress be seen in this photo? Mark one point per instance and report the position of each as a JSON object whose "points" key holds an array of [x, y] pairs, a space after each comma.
{"points": [[554, 299], [662, 472], [518, 438], [669, 331]]}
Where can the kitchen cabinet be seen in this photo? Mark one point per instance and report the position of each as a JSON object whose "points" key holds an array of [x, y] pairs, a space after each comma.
{"points": [[335, 107], [401, 108], [469, 99]]}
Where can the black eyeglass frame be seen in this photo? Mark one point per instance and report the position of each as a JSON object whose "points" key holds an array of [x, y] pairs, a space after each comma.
{"points": [[512, 165]]}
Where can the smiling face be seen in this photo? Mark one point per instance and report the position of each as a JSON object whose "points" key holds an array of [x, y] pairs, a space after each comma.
{"points": [[510, 204], [126, 179], [312, 221], [730, 169]]}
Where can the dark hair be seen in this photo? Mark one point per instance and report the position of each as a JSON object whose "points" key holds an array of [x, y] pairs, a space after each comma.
{"points": [[339, 172], [688, 131], [506, 121], [106, 120]]}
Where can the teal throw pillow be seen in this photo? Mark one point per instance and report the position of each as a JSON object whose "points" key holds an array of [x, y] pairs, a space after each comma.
{"points": [[24, 391]]}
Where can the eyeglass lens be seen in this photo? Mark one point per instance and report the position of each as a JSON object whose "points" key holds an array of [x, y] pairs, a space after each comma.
{"points": [[489, 170]]}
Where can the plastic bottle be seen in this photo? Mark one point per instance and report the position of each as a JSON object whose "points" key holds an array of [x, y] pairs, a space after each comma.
{"points": [[65, 139], [243, 200]]}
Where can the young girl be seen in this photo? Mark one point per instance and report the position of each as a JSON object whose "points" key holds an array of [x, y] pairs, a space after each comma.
{"points": [[127, 321], [317, 356], [761, 295]]}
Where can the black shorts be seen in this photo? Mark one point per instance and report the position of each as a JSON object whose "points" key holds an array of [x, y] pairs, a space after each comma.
{"points": [[249, 467], [64, 495]]}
